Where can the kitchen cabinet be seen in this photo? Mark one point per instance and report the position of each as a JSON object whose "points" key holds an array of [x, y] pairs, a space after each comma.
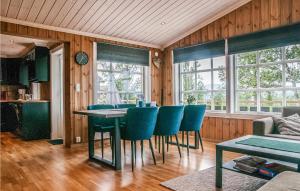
{"points": [[23, 74], [10, 70], [34, 120], [37, 61]]}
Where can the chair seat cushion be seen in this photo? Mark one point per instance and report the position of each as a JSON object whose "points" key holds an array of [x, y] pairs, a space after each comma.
{"points": [[101, 128]]}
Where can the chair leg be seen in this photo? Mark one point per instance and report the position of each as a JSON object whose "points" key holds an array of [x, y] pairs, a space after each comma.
{"points": [[132, 157], [135, 152], [102, 144], [142, 151], [158, 144], [176, 136], [124, 148], [151, 148], [167, 137], [163, 148], [182, 138], [200, 139], [187, 143], [155, 141]]}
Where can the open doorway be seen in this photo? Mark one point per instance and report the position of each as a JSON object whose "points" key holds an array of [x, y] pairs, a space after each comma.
{"points": [[57, 94]]}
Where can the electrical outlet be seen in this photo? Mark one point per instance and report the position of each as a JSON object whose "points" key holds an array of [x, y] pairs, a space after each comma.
{"points": [[78, 139]]}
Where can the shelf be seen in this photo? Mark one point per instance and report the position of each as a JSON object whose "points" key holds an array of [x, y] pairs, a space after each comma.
{"points": [[230, 166]]}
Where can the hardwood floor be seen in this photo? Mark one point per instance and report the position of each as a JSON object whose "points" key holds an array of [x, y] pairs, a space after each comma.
{"points": [[38, 165]]}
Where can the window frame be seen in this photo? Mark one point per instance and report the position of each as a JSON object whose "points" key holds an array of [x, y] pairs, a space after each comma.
{"points": [[146, 78]]}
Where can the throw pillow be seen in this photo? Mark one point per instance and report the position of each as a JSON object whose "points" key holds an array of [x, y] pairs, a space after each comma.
{"points": [[288, 125]]}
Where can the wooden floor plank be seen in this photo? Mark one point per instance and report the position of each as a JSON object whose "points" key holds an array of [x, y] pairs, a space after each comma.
{"points": [[38, 165]]}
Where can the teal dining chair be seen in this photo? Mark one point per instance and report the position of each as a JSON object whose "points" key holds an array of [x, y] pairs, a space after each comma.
{"points": [[102, 125], [123, 120], [192, 121], [167, 125], [140, 126]]}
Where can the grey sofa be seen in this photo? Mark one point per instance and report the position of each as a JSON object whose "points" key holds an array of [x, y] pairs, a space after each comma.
{"points": [[265, 126]]}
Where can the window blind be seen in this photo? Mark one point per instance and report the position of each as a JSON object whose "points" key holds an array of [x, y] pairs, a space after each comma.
{"points": [[199, 51], [276, 37], [122, 54]]}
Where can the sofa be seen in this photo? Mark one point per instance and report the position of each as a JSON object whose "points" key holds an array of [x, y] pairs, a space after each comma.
{"points": [[265, 126]]}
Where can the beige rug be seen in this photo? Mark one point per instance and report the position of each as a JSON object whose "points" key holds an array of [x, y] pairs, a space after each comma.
{"points": [[205, 181]]}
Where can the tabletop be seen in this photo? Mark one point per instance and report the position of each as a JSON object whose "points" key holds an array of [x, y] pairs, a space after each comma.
{"points": [[103, 113]]}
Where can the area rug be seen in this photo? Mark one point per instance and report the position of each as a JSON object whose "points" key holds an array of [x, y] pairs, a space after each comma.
{"points": [[204, 180]]}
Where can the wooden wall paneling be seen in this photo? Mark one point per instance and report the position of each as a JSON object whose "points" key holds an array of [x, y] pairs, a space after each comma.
{"points": [[212, 128], [295, 10], [226, 129], [248, 127], [217, 30], [232, 128], [205, 131], [211, 32], [219, 129], [275, 13], [256, 15], [77, 80], [224, 25], [232, 23], [240, 127], [204, 34], [85, 73], [285, 12], [265, 14], [22, 30]]}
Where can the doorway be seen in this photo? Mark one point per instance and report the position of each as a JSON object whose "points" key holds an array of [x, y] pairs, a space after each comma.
{"points": [[57, 94]]}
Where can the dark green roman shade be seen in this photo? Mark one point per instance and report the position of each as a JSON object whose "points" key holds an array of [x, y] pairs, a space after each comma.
{"points": [[122, 54], [199, 51], [276, 37]]}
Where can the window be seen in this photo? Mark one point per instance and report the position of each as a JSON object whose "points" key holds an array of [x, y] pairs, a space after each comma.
{"points": [[205, 80], [267, 80], [119, 83]]}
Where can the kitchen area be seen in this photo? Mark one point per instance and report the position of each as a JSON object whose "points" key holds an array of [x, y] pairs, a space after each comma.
{"points": [[26, 87]]}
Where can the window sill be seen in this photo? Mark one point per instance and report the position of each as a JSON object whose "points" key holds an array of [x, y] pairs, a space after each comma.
{"points": [[239, 115]]}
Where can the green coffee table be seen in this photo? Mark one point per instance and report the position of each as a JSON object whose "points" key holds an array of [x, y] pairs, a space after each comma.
{"points": [[290, 158]]}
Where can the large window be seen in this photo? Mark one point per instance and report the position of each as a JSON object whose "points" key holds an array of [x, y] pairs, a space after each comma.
{"points": [[267, 80], [119, 83], [205, 80]]}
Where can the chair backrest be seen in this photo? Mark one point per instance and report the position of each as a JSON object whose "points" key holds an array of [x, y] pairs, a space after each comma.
{"points": [[140, 123], [287, 111], [168, 120], [192, 118], [98, 120], [125, 105]]}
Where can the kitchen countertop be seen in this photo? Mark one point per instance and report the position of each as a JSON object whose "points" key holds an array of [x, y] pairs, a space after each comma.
{"points": [[24, 101]]}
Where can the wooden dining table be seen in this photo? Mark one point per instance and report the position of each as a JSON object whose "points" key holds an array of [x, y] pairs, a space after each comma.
{"points": [[116, 114]]}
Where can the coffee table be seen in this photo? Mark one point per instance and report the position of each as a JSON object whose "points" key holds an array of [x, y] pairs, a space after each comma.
{"points": [[289, 158]]}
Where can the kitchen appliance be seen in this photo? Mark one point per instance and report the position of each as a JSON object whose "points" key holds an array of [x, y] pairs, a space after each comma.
{"points": [[21, 93], [36, 91]]}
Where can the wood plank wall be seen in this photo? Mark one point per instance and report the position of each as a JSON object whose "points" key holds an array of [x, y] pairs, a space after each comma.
{"points": [[76, 125], [218, 129], [253, 16]]}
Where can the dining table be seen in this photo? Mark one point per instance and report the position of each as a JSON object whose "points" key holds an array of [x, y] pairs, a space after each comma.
{"points": [[115, 114]]}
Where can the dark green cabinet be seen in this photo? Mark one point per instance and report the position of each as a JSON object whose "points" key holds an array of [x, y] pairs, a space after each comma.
{"points": [[10, 70], [23, 74], [37, 61], [35, 120]]}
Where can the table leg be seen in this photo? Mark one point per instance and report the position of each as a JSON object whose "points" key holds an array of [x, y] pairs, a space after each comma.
{"points": [[117, 145], [298, 167], [219, 164], [91, 137]]}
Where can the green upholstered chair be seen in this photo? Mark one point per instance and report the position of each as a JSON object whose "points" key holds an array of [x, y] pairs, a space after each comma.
{"points": [[192, 121], [167, 125], [102, 125], [140, 126]]}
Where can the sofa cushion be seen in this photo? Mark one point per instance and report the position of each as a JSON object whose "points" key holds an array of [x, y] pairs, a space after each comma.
{"points": [[288, 125], [291, 137], [283, 182]]}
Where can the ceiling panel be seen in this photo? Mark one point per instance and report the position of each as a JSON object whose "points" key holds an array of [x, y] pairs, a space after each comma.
{"points": [[136, 20]]}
